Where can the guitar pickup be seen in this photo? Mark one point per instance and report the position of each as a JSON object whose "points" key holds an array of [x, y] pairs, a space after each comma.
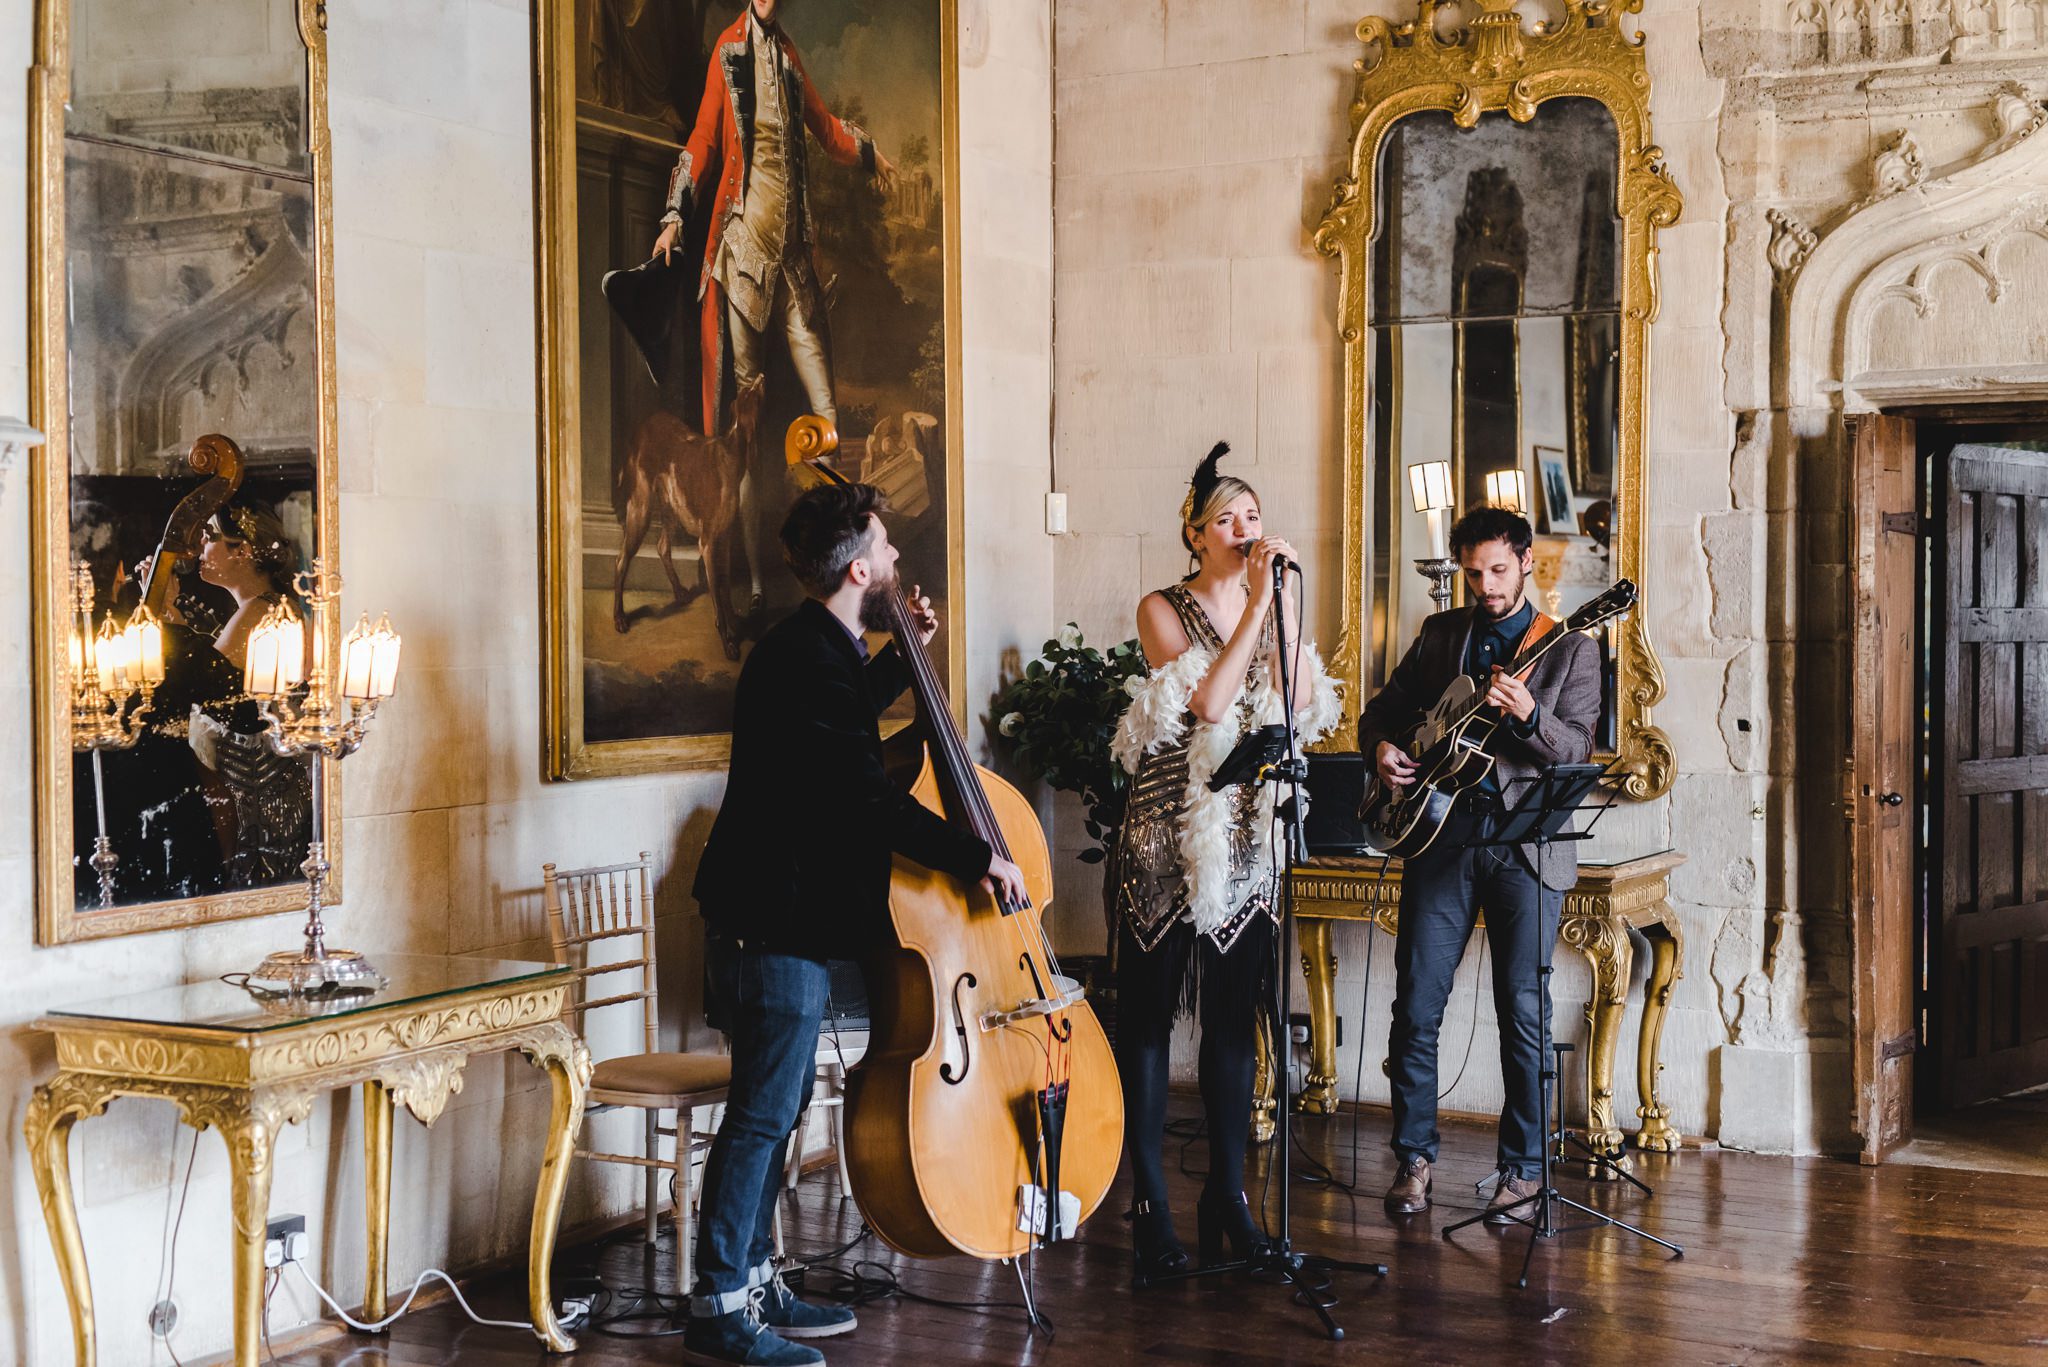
{"points": [[1071, 994]]}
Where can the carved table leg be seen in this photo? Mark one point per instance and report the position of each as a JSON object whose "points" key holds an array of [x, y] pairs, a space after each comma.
{"points": [[55, 1107], [1667, 948], [377, 1112], [1605, 943], [1319, 966], [1264, 1104], [567, 1062], [249, 1138]]}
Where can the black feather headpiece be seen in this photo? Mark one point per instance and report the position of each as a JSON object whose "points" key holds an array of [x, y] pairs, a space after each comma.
{"points": [[1205, 481]]}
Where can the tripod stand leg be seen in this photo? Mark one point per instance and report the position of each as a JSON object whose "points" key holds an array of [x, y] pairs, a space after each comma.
{"points": [[1528, 1256], [1594, 1155], [1623, 1224]]}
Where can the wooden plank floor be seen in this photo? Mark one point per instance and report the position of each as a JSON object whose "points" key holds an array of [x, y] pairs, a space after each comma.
{"points": [[1787, 1261]]}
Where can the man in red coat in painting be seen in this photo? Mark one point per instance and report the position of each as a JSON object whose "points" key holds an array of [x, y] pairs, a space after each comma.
{"points": [[759, 277]]}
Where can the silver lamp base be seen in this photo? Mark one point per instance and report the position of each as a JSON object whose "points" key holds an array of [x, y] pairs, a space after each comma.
{"points": [[333, 972]]}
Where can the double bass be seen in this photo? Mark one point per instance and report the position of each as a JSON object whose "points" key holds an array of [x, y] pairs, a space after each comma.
{"points": [[220, 460], [988, 1084]]}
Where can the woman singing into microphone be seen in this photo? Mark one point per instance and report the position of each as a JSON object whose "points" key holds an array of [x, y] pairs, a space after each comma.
{"points": [[1196, 894]]}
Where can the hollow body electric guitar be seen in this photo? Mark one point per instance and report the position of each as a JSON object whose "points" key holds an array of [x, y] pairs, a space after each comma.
{"points": [[986, 1117], [1449, 746]]}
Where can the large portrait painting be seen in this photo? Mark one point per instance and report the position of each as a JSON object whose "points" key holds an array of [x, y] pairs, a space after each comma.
{"points": [[747, 214]]}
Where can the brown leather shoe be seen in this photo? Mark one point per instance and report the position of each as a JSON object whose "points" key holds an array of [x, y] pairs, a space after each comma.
{"points": [[1410, 1193], [1512, 1192]]}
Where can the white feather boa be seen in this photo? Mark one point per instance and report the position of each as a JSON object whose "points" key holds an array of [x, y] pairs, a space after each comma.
{"points": [[1158, 718]]}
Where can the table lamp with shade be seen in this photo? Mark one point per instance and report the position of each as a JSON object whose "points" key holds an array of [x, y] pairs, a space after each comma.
{"points": [[1429, 484]]}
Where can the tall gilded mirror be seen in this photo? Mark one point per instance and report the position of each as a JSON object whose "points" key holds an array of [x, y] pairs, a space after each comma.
{"points": [[1496, 231], [182, 358]]}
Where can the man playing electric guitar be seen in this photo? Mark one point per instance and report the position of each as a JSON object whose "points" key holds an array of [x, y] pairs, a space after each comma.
{"points": [[1548, 718]]}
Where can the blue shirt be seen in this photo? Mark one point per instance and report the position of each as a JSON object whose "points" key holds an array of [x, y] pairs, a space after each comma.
{"points": [[1494, 643]]}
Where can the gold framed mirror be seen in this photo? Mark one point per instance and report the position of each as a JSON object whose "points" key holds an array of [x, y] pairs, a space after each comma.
{"points": [[1496, 229], [181, 291]]}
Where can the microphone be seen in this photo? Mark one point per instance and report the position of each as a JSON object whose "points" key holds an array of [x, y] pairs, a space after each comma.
{"points": [[1284, 563]]}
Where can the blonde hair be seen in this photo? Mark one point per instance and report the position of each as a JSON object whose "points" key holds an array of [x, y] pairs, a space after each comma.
{"points": [[1227, 490]]}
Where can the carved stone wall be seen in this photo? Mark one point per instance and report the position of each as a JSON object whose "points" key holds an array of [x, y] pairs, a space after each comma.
{"points": [[1884, 246]]}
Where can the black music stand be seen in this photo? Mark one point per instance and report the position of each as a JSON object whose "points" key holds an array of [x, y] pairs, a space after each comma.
{"points": [[1539, 819], [1254, 760]]}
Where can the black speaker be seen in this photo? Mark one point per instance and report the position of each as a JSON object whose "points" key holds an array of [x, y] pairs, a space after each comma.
{"points": [[846, 1000], [1336, 787]]}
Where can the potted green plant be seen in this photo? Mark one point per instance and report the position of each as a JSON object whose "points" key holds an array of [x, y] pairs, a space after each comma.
{"points": [[1058, 717]]}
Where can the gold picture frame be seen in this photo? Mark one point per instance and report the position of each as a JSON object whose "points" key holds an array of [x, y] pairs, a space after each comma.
{"points": [[1467, 67], [51, 405], [567, 751]]}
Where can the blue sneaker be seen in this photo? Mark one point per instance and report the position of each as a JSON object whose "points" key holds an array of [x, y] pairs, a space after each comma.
{"points": [[740, 1339], [799, 1319]]}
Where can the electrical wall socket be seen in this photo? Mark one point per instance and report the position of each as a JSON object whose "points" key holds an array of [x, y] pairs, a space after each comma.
{"points": [[284, 1240], [1298, 1027], [163, 1317]]}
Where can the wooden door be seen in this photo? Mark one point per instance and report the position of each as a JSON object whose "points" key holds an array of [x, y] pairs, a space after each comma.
{"points": [[1882, 798], [1988, 949]]}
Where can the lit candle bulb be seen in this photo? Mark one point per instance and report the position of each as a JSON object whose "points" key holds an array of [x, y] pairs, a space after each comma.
{"points": [[142, 646], [358, 659], [291, 648], [384, 669], [108, 661], [275, 654]]}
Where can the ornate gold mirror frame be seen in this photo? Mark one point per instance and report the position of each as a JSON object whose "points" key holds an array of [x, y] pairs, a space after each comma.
{"points": [[1443, 61], [52, 404]]}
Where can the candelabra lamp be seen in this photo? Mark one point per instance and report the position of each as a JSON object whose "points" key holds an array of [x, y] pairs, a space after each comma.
{"points": [[1429, 484], [312, 710], [113, 674]]}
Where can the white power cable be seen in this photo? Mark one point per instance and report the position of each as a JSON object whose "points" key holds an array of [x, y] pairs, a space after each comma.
{"points": [[389, 1319]]}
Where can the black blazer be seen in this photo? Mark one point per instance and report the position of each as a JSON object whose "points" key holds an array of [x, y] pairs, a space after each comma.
{"points": [[1565, 684], [798, 859]]}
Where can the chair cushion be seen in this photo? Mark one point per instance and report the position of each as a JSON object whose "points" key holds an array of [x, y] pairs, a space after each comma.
{"points": [[663, 1074]]}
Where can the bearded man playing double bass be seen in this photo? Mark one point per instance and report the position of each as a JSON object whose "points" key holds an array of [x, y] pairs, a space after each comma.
{"points": [[796, 872]]}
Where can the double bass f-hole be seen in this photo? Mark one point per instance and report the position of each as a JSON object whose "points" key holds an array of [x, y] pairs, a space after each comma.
{"points": [[960, 1029]]}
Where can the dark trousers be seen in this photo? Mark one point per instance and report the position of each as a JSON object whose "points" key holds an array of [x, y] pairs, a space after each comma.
{"points": [[1442, 892], [771, 1005]]}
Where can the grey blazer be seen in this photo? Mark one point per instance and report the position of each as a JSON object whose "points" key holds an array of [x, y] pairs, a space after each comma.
{"points": [[1565, 684]]}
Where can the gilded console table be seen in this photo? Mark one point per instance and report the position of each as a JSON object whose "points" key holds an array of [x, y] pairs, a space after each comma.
{"points": [[1608, 900], [248, 1067]]}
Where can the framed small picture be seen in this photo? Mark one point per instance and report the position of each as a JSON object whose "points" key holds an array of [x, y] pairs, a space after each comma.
{"points": [[1554, 498]]}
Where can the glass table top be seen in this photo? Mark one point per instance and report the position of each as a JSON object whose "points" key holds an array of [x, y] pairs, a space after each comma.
{"points": [[234, 1009]]}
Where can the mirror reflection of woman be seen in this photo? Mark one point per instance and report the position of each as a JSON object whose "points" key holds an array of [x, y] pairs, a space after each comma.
{"points": [[261, 801], [1196, 905]]}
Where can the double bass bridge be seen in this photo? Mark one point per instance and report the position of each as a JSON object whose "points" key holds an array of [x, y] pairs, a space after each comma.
{"points": [[1070, 994]]}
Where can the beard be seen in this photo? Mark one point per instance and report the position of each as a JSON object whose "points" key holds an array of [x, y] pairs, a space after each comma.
{"points": [[1510, 604], [874, 604]]}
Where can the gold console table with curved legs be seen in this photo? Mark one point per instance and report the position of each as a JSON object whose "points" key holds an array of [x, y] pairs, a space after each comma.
{"points": [[1608, 901], [248, 1068]]}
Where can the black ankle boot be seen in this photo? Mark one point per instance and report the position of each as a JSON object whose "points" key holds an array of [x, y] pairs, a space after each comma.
{"points": [[1155, 1250], [1221, 1215]]}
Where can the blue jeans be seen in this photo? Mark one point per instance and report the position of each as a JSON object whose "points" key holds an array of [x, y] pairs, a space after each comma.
{"points": [[771, 1004], [1441, 893]]}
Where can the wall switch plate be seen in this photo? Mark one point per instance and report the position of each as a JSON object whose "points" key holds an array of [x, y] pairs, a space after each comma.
{"points": [[1055, 514]]}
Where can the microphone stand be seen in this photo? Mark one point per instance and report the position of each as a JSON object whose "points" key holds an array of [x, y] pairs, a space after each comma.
{"points": [[1280, 1264]]}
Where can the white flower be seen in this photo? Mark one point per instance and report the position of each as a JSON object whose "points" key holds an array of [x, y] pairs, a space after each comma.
{"points": [[1070, 637], [1135, 685], [1008, 725]]}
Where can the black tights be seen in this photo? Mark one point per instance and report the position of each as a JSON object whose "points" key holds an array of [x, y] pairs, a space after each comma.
{"points": [[1149, 994]]}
